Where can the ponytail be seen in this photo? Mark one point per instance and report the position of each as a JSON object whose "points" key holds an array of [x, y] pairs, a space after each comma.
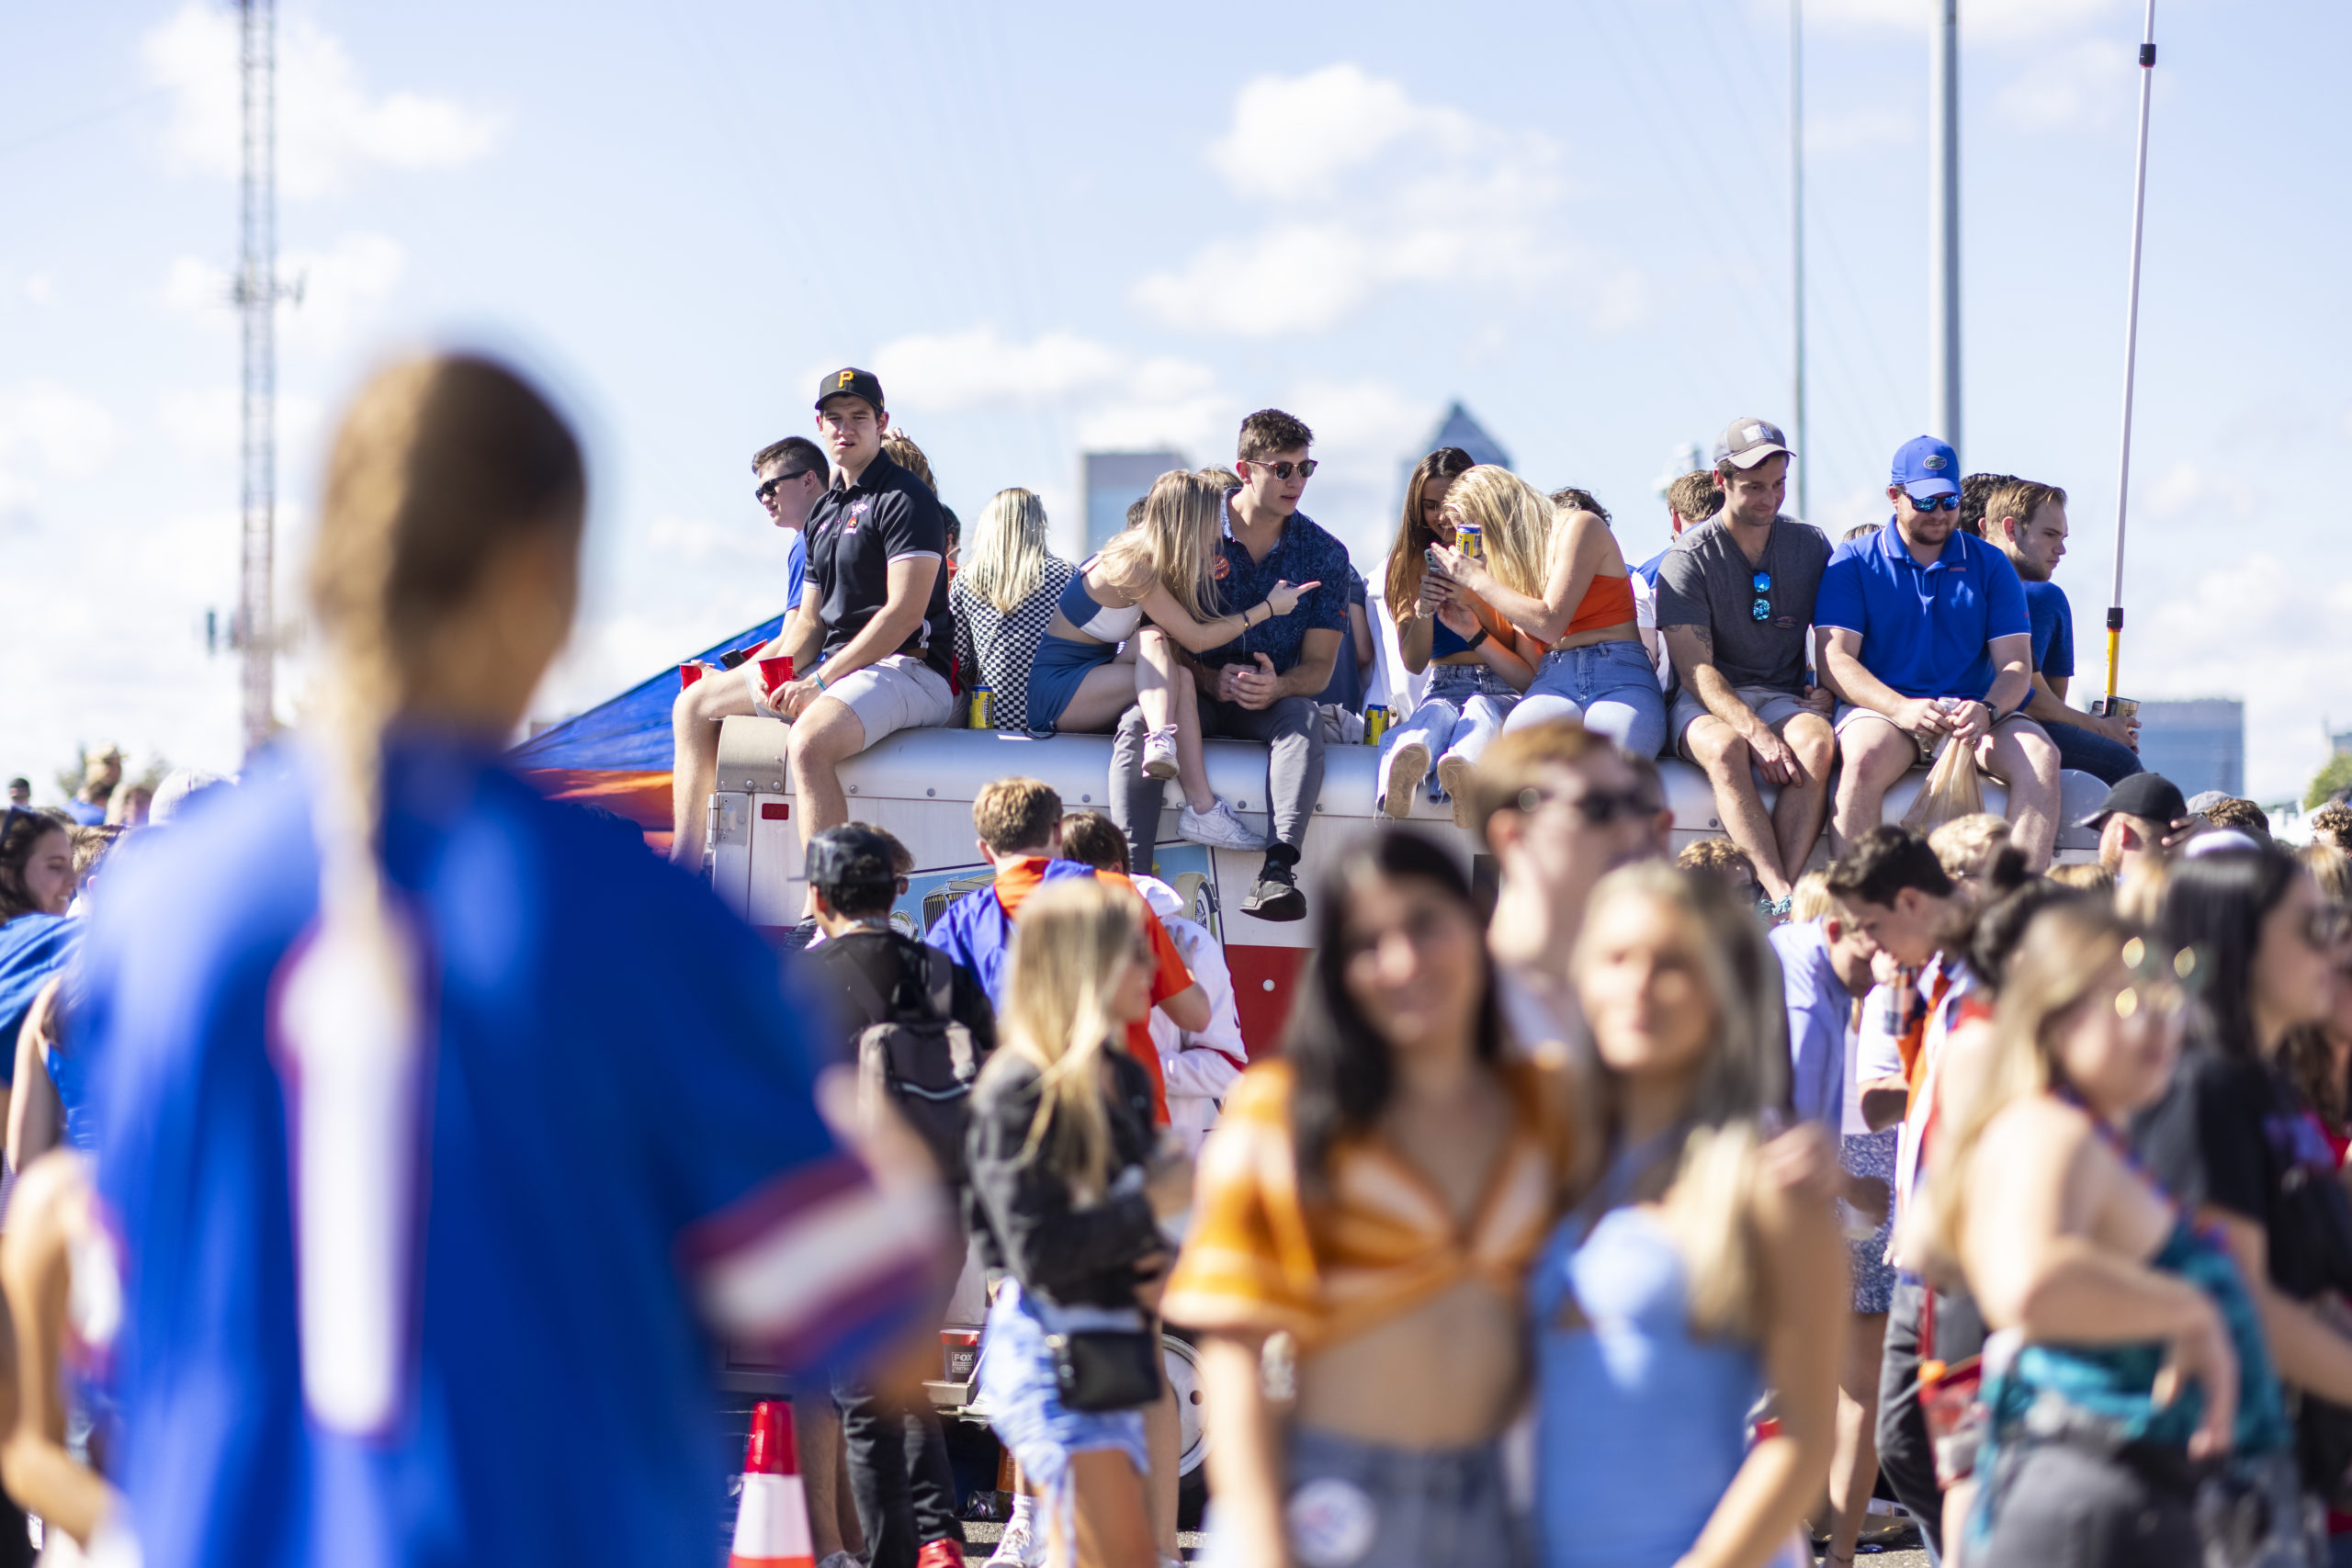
{"points": [[441, 463]]}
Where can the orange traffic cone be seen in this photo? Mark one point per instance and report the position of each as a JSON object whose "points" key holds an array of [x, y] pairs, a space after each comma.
{"points": [[772, 1523]]}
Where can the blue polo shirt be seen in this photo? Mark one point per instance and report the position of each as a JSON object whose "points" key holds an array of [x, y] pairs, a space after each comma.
{"points": [[2053, 629], [1926, 630], [1819, 1005], [1304, 554]]}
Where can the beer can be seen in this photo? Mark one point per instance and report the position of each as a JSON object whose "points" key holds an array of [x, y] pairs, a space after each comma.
{"points": [[980, 696], [1469, 539], [1375, 725]]}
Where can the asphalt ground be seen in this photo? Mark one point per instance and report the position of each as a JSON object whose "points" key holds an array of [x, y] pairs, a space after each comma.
{"points": [[980, 1540]]}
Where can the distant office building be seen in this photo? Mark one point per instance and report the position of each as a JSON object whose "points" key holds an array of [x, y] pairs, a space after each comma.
{"points": [[2198, 745], [1111, 482], [1458, 429], [2339, 741]]}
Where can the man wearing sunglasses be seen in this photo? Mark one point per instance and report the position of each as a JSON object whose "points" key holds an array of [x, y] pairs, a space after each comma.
{"points": [[1921, 629], [787, 477], [1264, 685], [1735, 605]]}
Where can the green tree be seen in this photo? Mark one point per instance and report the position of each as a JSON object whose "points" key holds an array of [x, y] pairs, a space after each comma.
{"points": [[2336, 775]]}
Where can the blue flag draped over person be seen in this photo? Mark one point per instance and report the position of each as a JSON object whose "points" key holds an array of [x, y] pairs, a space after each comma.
{"points": [[446, 1128]]}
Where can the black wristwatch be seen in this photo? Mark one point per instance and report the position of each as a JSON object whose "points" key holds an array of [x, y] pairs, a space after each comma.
{"points": [[1474, 641]]}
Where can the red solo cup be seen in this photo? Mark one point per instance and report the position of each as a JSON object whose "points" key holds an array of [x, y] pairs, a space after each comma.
{"points": [[775, 673], [689, 673]]}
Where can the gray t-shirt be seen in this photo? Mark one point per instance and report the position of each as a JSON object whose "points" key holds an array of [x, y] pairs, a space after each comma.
{"points": [[1707, 581]]}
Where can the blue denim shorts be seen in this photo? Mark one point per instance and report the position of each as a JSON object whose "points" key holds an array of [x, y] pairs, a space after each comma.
{"points": [[1611, 686], [1024, 1404]]}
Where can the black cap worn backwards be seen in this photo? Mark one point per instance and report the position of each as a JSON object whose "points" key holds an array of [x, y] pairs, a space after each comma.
{"points": [[851, 383], [851, 859], [2151, 795]]}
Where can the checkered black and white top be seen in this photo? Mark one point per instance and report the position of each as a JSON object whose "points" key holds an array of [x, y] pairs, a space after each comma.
{"points": [[994, 649]]}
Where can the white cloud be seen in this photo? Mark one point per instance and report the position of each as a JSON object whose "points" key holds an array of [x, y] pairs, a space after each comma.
{"points": [[328, 122], [1363, 189], [194, 286], [342, 288], [40, 288], [960, 371], [1119, 398]]}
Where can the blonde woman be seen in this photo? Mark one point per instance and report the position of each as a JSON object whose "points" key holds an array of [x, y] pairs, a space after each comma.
{"points": [[401, 1057], [1684, 1284], [1479, 667], [1161, 568], [1003, 601], [1557, 575], [2140, 1352], [1071, 1182]]}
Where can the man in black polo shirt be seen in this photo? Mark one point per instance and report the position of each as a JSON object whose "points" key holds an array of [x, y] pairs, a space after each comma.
{"points": [[871, 640], [1261, 686]]}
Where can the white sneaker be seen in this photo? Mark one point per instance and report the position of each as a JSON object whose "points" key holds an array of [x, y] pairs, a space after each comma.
{"points": [[1453, 776], [1407, 766], [1017, 1547], [1159, 754], [1218, 828]]}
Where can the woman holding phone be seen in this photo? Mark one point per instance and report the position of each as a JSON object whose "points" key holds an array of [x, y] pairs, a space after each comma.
{"points": [[1555, 573], [1478, 664]]}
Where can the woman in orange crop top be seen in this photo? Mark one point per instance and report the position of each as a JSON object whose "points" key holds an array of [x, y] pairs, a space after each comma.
{"points": [[1377, 1194], [1551, 569]]}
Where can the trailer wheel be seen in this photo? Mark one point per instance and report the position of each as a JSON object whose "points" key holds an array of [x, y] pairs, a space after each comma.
{"points": [[1181, 1362]]}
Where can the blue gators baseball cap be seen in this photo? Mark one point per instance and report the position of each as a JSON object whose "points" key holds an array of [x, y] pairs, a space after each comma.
{"points": [[1927, 468]]}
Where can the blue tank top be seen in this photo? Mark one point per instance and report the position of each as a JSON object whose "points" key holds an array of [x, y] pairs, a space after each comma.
{"points": [[1641, 1425], [1445, 642], [1105, 623]]}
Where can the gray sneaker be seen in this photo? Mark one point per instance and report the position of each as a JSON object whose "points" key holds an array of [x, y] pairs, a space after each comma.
{"points": [[1217, 827]]}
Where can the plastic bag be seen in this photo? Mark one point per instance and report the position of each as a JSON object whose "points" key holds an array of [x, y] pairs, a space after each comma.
{"points": [[1954, 788]]}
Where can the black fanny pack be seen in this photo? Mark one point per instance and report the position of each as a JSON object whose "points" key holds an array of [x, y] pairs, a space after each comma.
{"points": [[1098, 1369]]}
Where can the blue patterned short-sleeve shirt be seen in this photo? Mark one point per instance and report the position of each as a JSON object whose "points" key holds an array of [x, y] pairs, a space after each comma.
{"points": [[1304, 553]]}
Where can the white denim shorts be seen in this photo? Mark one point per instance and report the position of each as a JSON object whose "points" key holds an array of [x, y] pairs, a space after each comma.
{"points": [[902, 692]]}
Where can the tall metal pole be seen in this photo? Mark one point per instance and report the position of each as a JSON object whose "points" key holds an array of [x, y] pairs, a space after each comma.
{"points": [[1943, 221], [1796, 236], [257, 297], [2130, 346]]}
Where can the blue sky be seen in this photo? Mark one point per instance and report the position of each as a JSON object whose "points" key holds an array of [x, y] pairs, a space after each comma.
{"points": [[1051, 227]]}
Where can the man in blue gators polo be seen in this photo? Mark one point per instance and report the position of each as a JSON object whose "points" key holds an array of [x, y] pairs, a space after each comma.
{"points": [[1923, 634]]}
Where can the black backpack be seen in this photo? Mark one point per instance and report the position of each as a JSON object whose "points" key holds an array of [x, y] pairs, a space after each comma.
{"points": [[917, 1053]]}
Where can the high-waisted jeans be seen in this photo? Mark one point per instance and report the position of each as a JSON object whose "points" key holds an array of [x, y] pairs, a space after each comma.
{"points": [[1611, 686], [1356, 1503], [1459, 716]]}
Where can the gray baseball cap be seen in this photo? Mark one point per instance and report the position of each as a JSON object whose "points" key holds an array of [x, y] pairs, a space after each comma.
{"points": [[1747, 442], [851, 858]]}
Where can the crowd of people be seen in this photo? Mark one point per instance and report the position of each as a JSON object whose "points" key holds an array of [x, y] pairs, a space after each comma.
{"points": [[1625, 1212], [1786, 667]]}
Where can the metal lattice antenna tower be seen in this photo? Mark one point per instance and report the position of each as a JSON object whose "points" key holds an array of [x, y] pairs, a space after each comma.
{"points": [[256, 294]]}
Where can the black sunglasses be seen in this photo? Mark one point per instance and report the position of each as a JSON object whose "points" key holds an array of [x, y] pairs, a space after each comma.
{"points": [[769, 486], [1941, 503], [1598, 807], [1283, 470], [1762, 608]]}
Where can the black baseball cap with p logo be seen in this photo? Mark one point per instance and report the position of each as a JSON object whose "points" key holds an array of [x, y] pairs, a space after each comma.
{"points": [[851, 383]]}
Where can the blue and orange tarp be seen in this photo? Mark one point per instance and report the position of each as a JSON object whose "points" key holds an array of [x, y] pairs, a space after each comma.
{"points": [[617, 754]]}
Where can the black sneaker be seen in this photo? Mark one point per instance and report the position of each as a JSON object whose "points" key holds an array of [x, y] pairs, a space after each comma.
{"points": [[1276, 896]]}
